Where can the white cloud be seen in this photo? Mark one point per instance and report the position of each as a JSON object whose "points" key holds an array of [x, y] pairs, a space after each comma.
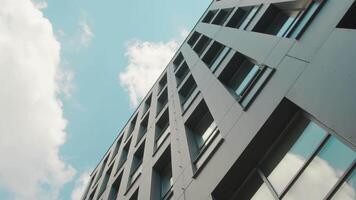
{"points": [[41, 5], [85, 32], [80, 186], [317, 180], [146, 61], [65, 81], [32, 126]]}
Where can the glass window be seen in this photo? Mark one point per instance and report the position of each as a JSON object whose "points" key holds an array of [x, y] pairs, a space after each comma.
{"points": [[162, 101], [249, 17], [162, 83], [201, 45], [323, 172], [287, 19], [114, 191], [263, 193], [222, 16], [187, 92], [347, 191], [294, 159], [143, 128], [243, 77], [136, 166], [166, 180], [193, 39], [242, 17], [162, 127], [204, 129], [182, 73], [209, 16], [179, 59], [305, 18], [219, 58]]}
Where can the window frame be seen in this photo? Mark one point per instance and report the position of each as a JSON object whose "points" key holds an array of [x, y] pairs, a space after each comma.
{"points": [[299, 116]]}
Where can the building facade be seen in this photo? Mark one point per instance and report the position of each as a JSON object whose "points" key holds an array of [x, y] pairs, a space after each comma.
{"points": [[258, 103]]}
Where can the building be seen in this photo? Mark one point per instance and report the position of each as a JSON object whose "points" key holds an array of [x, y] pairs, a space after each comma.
{"points": [[258, 103]]}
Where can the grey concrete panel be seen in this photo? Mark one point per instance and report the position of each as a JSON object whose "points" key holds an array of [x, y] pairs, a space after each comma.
{"points": [[327, 88]]}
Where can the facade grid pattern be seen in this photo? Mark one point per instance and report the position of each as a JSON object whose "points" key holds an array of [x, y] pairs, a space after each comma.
{"points": [[257, 87]]}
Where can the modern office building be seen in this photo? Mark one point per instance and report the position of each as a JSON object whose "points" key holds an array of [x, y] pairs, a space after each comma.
{"points": [[258, 103]]}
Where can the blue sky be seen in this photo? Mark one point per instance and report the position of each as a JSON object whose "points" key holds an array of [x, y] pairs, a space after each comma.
{"points": [[99, 105], [70, 70]]}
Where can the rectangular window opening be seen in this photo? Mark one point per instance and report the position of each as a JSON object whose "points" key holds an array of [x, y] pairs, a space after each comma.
{"points": [[162, 130], [114, 191], [244, 79], [105, 182], [222, 16], [131, 126], [215, 55], [143, 128], [201, 45], [162, 83], [209, 16], [123, 156], [162, 101], [288, 19], [147, 104], [162, 177], [188, 92], [240, 16], [193, 39], [136, 166], [179, 59], [201, 131], [182, 73]]}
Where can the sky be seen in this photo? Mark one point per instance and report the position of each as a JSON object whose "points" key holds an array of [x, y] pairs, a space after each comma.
{"points": [[72, 73]]}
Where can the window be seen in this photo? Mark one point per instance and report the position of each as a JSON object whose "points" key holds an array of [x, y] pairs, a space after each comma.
{"points": [[193, 39], [143, 128], [222, 16], [91, 197], [116, 149], [348, 185], [179, 59], [131, 127], [114, 191], [209, 16], [215, 55], [348, 21], [135, 195], [105, 182], [136, 167], [243, 78], [147, 105], [102, 167], [242, 17], [182, 73], [188, 92], [162, 101], [162, 83], [201, 45], [304, 163], [89, 185], [162, 180], [162, 129], [286, 19], [123, 156], [202, 133]]}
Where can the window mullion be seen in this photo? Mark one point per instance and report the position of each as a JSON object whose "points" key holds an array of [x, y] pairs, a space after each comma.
{"points": [[342, 179], [301, 170], [269, 185]]}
